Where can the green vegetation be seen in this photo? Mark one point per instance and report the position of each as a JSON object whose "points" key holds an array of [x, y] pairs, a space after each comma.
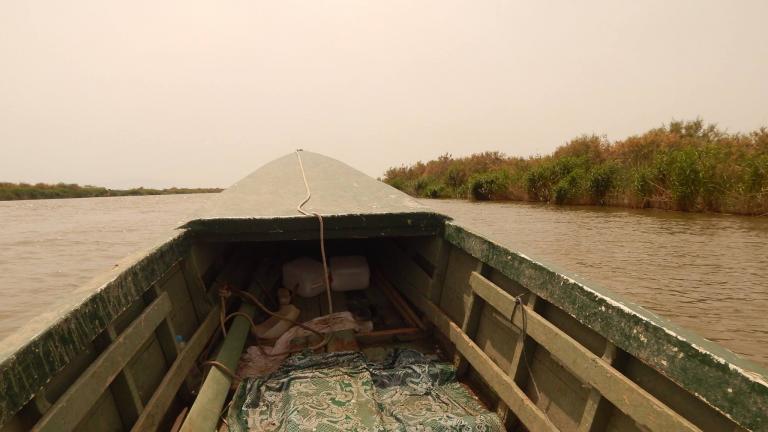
{"points": [[686, 166], [24, 191]]}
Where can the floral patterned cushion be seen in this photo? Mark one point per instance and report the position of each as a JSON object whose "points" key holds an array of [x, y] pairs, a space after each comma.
{"points": [[345, 392]]}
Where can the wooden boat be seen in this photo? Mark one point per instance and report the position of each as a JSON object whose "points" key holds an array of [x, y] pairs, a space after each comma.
{"points": [[539, 348]]}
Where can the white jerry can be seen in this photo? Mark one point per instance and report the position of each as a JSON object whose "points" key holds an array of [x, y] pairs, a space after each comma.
{"points": [[304, 276], [349, 273]]}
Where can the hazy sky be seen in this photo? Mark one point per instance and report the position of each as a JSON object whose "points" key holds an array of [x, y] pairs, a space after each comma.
{"points": [[200, 93]]}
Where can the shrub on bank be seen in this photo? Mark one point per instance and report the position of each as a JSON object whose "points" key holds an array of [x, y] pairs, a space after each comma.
{"points": [[601, 181], [686, 166], [491, 185]]}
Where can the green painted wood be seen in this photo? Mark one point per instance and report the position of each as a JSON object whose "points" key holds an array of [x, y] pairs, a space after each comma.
{"points": [[205, 412], [336, 227], [41, 403], [596, 410], [348, 200], [591, 369], [731, 385], [276, 188], [441, 266], [500, 382], [161, 400], [518, 369], [196, 289], [35, 354], [102, 417], [469, 326], [408, 269], [428, 248], [74, 404], [167, 332], [126, 394]]}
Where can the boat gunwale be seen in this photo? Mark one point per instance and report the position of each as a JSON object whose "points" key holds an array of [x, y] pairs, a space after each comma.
{"points": [[736, 387], [27, 368]]}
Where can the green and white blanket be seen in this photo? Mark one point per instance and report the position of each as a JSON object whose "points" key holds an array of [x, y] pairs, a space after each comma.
{"points": [[346, 392]]}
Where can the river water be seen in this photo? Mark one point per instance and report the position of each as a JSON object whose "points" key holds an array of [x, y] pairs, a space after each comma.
{"points": [[706, 272]]}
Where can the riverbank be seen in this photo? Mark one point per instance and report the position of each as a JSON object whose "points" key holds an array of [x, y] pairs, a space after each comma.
{"points": [[24, 191], [686, 166]]}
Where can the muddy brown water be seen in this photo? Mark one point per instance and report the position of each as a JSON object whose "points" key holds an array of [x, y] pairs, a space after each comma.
{"points": [[706, 272]]}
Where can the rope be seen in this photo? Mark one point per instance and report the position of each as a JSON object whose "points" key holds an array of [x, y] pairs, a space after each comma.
{"points": [[523, 336], [226, 291], [322, 231], [222, 367], [223, 296]]}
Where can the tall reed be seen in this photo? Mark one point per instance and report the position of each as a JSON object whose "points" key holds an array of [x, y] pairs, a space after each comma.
{"points": [[684, 165]]}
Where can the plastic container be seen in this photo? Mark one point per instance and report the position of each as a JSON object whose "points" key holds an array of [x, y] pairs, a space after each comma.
{"points": [[304, 276], [349, 273]]}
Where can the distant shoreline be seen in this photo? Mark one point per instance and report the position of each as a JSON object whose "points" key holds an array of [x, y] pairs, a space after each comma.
{"points": [[25, 191]]}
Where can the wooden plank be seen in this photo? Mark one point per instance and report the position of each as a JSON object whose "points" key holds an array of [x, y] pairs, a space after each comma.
{"points": [[531, 416], [501, 300], [435, 289], [471, 321], [501, 383], [126, 393], [427, 248], [596, 409], [390, 332], [166, 335], [617, 388], [205, 412], [518, 367], [405, 267], [157, 406], [399, 303], [41, 403], [74, 404], [196, 289]]}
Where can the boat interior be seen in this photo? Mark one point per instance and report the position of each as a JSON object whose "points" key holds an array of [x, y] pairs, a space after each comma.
{"points": [[167, 362], [385, 320]]}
